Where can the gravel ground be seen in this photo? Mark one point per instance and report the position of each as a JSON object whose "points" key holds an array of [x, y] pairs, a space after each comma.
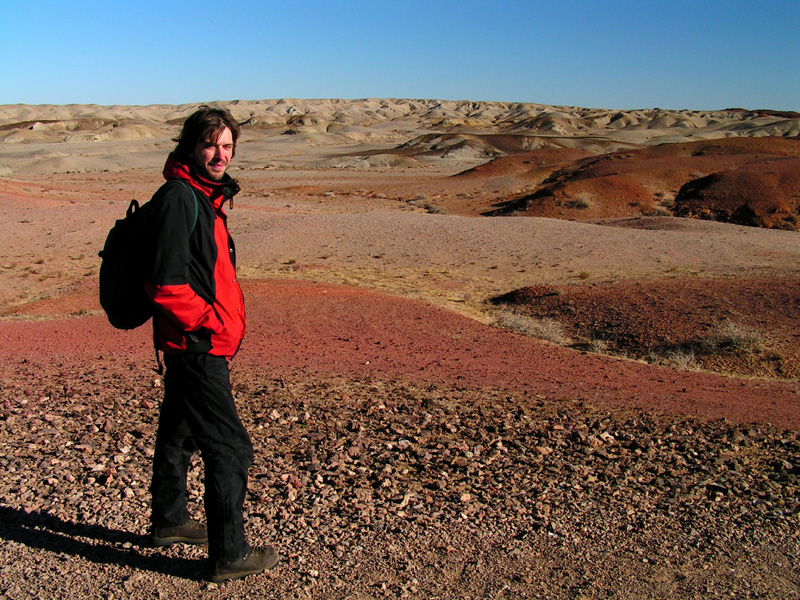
{"points": [[381, 489]]}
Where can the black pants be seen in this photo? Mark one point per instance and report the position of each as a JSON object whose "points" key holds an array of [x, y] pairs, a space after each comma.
{"points": [[198, 413]]}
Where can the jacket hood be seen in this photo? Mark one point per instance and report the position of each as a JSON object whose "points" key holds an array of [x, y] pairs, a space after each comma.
{"points": [[217, 191]]}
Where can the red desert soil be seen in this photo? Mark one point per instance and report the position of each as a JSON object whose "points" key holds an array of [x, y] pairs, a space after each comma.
{"points": [[339, 330]]}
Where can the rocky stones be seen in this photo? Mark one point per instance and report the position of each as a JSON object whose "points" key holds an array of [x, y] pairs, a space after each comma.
{"points": [[335, 485]]}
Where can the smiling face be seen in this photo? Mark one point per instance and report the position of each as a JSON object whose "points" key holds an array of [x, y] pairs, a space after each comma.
{"points": [[213, 155]]}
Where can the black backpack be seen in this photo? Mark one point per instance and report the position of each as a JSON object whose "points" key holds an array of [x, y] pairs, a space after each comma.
{"points": [[124, 268]]}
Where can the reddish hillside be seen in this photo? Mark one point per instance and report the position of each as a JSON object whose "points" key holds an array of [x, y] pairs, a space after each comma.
{"points": [[519, 164], [756, 175], [763, 194]]}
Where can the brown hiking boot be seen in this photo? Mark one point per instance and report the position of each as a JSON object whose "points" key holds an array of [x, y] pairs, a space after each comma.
{"points": [[188, 533], [255, 561]]}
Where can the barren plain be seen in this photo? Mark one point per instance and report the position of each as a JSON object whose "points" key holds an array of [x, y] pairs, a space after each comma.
{"points": [[495, 350]]}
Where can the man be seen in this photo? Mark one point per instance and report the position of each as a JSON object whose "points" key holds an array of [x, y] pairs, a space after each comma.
{"points": [[199, 325]]}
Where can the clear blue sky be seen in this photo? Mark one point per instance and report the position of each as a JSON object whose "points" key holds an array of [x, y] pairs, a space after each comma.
{"points": [[699, 54]]}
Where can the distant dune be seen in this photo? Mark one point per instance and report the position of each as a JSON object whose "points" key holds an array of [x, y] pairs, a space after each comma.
{"points": [[575, 163], [424, 128]]}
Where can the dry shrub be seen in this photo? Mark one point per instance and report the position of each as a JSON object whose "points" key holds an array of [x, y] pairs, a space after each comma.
{"points": [[549, 330], [423, 203], [729, 335], [582, 200], [678, 359], [666, 199], [659, 211]]}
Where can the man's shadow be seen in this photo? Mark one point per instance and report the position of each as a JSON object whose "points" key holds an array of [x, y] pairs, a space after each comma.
{"points": [[43, 531]]}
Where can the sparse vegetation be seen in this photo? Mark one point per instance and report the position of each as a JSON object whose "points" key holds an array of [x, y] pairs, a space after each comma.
{"points": [[546, 329], [598, 346], [679, 358], [666, 200], [660, 211], [426, 205], [733, 336], [582, 201]]}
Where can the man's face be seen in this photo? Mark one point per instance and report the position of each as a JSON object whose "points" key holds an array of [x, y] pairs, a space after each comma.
{"points": [[212, 156]]}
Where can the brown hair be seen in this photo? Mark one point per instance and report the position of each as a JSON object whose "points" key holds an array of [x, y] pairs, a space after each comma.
{"points": [[205, 123]]}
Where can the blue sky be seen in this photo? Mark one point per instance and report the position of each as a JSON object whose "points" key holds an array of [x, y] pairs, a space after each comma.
{"points": [[602, 54]]}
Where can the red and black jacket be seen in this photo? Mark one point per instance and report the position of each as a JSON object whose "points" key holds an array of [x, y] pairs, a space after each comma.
{"points": [[200, 307]]}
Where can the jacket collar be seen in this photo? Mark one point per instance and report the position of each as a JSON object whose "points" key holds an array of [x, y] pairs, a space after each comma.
{"points": [[216, 191]]}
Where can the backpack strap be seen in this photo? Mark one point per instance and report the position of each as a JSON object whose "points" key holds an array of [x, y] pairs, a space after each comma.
{"points": [[196, 203]]}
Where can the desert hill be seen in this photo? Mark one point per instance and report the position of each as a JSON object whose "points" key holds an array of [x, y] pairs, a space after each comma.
{"points": [[404, 115], [423, 129], [740, 180]]}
